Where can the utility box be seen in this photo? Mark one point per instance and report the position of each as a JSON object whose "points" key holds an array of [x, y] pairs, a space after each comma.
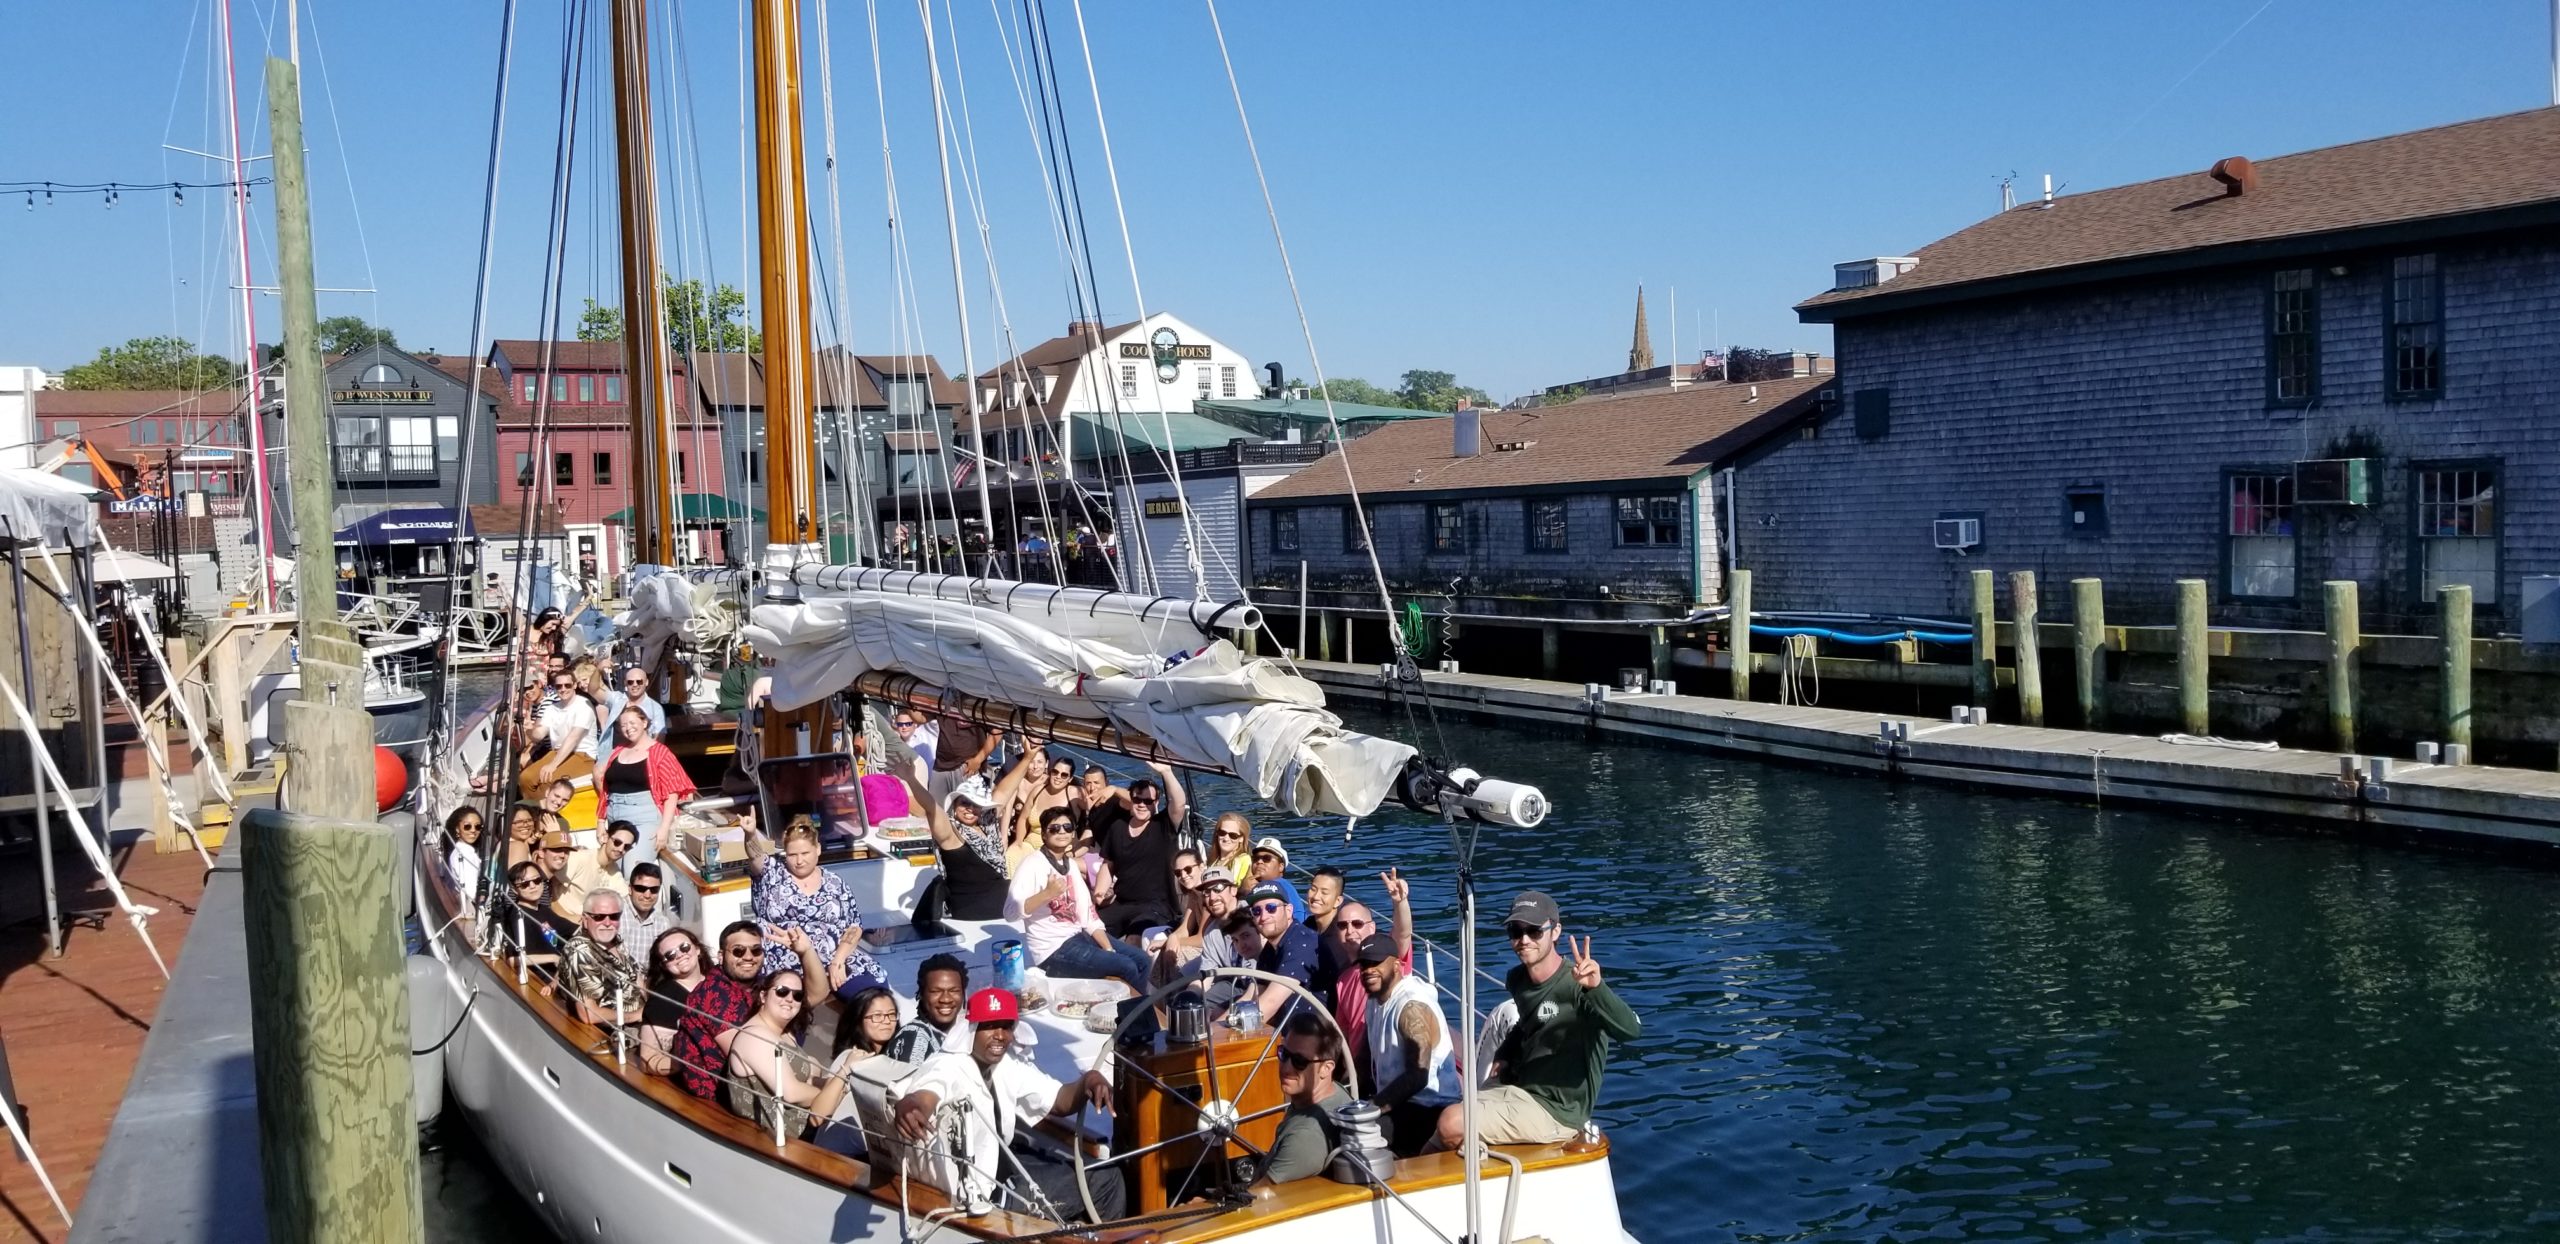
{"points": [[2542, 610]]}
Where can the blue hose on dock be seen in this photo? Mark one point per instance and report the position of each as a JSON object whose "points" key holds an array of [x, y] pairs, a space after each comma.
{"points": [[1934, 637]]}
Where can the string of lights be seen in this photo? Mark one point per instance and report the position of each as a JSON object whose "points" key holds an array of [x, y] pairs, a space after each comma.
{"points": [[112, 191]]}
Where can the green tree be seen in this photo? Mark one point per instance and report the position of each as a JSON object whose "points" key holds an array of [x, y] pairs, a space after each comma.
{"points": [[712, 320], [346, 334], [1743, 364], [1437, 390], [1571, 393], [1350, 389], [152, 363]]}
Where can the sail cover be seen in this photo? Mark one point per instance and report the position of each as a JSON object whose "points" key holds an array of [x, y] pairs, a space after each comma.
{"points": [[1212, 706]]}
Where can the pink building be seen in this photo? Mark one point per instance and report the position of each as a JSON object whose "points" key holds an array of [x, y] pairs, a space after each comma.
{"points": [[579, 468]]}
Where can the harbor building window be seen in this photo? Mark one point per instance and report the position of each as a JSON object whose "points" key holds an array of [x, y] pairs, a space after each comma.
{"points": [[1448, 527], [359, 446], [1284, 531], [2457, 513], [413, 445], [66, 427], [564, 469], [604, 469], [1648, 521], [1227, 380], [586, 388], [529, 382], [1204, 381], [2417, 327], [613, 388], [1356, 530], [559, 388], [679, 468], [908, 411], [1546, 525], [2293, 338], [147, 432], [524, 470], [1128, 380], [2258, 544]]}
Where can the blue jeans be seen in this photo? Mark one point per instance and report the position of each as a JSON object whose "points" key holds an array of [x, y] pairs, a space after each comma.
{"points": [[1082, 959]]}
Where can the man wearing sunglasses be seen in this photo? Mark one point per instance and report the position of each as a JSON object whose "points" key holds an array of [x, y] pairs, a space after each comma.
{"points": [[1135, 886], [1548, 1068], [630, 688], [593, 968], [725, 999], [1310, 1060], [644, 917], [1288, 948]]}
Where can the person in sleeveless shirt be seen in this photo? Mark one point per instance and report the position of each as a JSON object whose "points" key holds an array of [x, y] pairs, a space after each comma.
{"points": [[1413, 1059], [969, 846]]}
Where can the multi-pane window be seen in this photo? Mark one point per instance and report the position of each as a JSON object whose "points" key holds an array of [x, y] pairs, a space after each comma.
{"points": [[529, 382], [448, 439], [559, 388], [524, 470], [564, 469], [2457, 511], [586, 388], [413, 444], [2259, 535], [66, 427], [1356, 527], [909, 409], [2293, 338], [147, 432], [613, 388], [1227, 380], [1284, 531], [359, 446], [1648, 520], [1203, 369], [1546, 525], [1448, 527], [604, 468], [2417, 327], [1128, 380], [679, 468]]}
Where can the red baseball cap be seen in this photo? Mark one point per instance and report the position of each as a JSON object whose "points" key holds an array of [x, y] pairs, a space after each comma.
{"points": [[994, 1006]]}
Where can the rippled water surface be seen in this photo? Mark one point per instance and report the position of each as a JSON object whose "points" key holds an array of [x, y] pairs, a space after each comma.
{"points": [[1880, 1012]]}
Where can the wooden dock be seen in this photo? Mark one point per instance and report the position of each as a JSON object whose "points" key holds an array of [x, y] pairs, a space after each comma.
{"points": [[2468, 804]]}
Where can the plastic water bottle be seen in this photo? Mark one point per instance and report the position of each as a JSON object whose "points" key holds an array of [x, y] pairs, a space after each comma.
{"points": [[711, 858]]}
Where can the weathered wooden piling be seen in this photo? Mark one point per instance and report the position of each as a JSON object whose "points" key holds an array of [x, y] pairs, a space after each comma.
{"points": [[2346, 639], [1659, 651], [1737, 595], [1324, 636], [2030, 661], [2195, 714], [1550, 649], [1986, 638], [2455, 598], [2089, 650]]}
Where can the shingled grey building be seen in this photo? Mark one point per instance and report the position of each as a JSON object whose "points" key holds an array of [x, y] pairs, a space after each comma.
{"points": [[2341, 364]]}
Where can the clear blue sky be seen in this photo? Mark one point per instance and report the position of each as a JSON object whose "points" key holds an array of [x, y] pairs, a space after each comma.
{"points": [[1475, 188]]}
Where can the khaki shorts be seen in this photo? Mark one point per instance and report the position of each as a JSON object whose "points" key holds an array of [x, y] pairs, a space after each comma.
{"points": [[1510, 1116]]}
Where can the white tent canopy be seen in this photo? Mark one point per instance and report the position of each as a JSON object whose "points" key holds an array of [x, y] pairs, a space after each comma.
{"points": [[113, 565], [39, 505], [1213, 707]]}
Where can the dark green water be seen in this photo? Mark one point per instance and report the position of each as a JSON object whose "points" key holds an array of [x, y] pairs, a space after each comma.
{"points": [[1879, 1012]]}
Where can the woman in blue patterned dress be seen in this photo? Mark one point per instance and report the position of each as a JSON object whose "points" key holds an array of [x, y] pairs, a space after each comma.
{"points": [[810, 909]]}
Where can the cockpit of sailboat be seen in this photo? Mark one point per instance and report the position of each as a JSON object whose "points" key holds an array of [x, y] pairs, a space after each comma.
{"points": [[638, 1095]]}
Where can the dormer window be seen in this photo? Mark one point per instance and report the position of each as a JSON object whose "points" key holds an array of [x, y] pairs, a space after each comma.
{"points": [[382, 376]]}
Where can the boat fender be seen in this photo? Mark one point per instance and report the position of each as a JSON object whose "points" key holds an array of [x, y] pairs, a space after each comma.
{"points": [[432, 1011]]}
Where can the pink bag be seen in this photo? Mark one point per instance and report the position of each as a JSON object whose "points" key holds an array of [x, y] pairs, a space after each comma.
{"points": [[884, 798]]}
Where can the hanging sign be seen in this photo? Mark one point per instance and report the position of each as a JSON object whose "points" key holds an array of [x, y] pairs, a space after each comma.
{"points": [[373, 397], [1162, 507], [1140, 350]]}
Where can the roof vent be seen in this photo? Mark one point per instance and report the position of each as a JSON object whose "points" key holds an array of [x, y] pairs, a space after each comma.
{"points": [[2237, 175], [1468, 427], [1868, 273]]}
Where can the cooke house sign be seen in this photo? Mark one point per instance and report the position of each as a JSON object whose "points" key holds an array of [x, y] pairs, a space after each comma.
{"points": [[1141, 350]]}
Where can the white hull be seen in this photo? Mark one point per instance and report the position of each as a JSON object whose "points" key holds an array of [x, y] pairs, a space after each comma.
{"points": [[600, 1160]]}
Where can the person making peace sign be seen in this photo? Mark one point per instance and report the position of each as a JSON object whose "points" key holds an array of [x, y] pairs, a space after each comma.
{"points": [[1547, 1071]]}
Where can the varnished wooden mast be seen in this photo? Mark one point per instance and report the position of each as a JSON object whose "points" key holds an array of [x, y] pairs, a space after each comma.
{"points": [[782, 214], [644, 319]]}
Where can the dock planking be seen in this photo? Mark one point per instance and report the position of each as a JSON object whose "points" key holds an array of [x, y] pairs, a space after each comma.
{"points": [[2470, 803]]}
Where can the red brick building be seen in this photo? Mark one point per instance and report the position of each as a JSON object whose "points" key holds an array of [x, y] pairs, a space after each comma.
{"points": [[581, 470]]}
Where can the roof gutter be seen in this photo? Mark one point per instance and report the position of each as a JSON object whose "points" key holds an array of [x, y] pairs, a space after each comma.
{"points": [[2227, 255]]}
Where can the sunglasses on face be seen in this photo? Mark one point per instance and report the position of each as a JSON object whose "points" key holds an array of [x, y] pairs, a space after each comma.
{"points": [[530, 883], [1294, 1060], [1355, 922], [1524, 932], [624, 843], [1062, 773], [788, 993], [610, 918], [1229, 836], [1267, 909], [746, 952], [673, 953], [1063, 827], [635, 682], [904, 725], [646, 889]]}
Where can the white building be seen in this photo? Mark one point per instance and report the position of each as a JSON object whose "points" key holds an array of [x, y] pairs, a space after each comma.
{"points": [[20, 438], [1048, 402]]}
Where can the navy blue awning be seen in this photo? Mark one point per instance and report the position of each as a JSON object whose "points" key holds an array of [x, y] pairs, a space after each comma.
{"points": [[416, 525]]}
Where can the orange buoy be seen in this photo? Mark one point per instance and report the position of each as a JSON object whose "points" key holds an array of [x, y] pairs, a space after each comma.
{"points": [[390, 779]]}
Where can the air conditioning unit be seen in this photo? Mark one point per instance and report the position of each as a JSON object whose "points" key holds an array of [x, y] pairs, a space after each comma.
{"points": [[2333, 481], [1956, 533]]}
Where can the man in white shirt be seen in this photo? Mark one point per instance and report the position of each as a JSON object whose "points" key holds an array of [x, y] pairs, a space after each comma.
{"points": [[1004, 1093]]}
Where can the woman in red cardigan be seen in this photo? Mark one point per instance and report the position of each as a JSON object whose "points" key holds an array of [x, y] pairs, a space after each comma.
{"points": [[641, 782]]}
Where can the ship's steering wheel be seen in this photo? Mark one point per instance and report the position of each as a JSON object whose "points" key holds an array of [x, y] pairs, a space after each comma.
{"points": [[1214, 1116]]}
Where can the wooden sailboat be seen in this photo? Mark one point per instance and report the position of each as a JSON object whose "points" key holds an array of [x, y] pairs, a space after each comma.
{"points": [[604, 1150]]}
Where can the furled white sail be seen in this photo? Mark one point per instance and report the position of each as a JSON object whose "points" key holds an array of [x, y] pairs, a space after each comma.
{"points": [[1213, 706]]}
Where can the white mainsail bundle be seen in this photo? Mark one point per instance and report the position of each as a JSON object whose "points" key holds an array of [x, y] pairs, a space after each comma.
{"points": [[1211, 705]]}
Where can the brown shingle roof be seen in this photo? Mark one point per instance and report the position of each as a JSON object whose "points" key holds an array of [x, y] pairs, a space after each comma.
{"points": [[738, 379], [1055, 350], [1648, 436], [573, 355], [2447, 172], [112, 403]]}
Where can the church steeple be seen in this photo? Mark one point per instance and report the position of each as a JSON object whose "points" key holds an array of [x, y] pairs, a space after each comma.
{"points": [[1640, 355]]}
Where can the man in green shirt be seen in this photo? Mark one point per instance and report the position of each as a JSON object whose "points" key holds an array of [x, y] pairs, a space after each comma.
{"points": [[1309, 1055], [1547, 1071]]}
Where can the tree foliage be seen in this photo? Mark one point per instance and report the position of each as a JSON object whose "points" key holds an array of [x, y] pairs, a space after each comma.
{"points": [[1437, 390], [1563, 396], [152, 363], [1743, 364], [1350, 389], [712, 320], [346, 334]]}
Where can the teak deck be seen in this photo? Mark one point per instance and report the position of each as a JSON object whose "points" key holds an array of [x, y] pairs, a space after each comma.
{"points": [[2519, 806]]}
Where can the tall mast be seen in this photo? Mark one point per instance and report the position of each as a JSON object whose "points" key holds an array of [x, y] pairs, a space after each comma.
{"points": [[782, 214], [644, 320], [261, 504]]}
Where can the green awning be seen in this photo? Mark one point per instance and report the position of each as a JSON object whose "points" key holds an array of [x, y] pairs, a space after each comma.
{"points": [[699, 507], [1099, 435]]}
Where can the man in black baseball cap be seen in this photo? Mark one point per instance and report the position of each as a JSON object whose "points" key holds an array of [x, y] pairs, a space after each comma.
{"points": [[1410, 1053], [1547, 1070]]}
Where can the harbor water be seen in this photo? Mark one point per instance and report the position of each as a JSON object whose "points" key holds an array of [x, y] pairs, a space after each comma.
{"points": [[1888, 1012]]}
